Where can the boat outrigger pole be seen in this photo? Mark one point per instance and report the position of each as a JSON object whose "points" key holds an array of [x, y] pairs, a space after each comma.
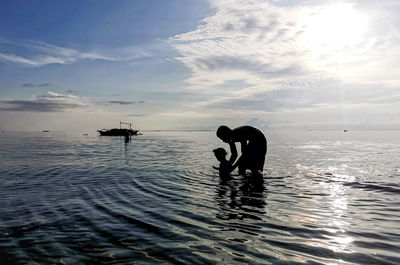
{"points": [[130, 124]]}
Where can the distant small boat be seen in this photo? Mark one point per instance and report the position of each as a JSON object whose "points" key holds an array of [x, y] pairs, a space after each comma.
{"points": [[345, 130], [85, 134], [119, 132], [45, 131]]}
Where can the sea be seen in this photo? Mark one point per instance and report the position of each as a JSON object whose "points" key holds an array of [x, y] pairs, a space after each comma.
{"points": [[326, 197]]}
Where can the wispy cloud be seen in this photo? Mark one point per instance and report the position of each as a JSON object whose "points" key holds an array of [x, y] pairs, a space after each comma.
{"points": [[120, 102], [256, 122], [34, 85], [251, 41], [137, 115], [48, 102], [266, 46], [308, 95], [38, 54]]}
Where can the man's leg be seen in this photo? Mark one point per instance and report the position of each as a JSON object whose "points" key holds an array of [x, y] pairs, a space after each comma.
{"points": [[243, 166], [256, 173]]}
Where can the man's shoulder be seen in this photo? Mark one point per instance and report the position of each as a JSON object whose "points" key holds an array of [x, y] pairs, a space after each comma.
{"points": [[245, 128], [239, 132], [246, 132]]}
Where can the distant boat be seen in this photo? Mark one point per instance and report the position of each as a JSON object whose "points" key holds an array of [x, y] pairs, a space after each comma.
{"points": [[45, 131], [345, 130], [119, 132]]}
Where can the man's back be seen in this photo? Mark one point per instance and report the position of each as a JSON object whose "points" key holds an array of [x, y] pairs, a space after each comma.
{"points": [[247, 133]]}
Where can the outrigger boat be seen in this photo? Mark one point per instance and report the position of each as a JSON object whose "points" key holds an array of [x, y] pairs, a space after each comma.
{"points": [[119, 132]]}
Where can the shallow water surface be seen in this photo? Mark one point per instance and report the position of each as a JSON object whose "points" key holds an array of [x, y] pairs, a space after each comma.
{"points": [[326, 198]]}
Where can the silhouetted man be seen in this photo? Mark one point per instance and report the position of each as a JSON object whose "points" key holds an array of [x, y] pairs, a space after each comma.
{"points": [[253, 147]]}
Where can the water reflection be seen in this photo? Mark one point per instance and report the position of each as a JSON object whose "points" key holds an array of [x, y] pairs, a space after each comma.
{"points": [[336, 212], [241, 198], [90, 200]]}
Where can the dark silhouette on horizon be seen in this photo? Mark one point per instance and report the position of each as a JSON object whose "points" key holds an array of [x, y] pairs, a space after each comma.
{"points": [[127, 137], [253, 147], [119, 131]]}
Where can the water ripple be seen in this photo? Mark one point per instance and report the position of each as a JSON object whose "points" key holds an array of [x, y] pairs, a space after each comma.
{"points": [[96, 200]]}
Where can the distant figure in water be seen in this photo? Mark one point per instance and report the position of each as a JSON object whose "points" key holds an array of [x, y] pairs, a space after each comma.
{"points": [[225, 167], [253, 147], [127, 137]]}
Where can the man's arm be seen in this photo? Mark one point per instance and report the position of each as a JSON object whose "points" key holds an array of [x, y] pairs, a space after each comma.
{"points": [[236, 164], [233, 152], [243, 147]]}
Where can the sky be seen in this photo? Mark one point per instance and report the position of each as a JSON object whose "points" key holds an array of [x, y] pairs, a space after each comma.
{"points": [[178, 64]]}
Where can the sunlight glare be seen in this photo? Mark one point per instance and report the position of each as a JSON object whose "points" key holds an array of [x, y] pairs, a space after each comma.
{"points": [[334, 27]]}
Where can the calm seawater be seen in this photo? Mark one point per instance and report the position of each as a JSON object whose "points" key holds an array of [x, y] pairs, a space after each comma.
{"points": [[326, 198]]}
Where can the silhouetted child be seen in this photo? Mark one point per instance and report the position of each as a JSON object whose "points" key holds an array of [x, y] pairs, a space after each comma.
{"points": [[225, 167]]}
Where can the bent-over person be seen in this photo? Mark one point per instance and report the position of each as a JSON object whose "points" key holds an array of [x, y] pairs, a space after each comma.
{"points": [[253, 147]]}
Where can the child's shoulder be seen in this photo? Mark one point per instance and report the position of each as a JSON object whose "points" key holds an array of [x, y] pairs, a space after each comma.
{"points": [[225, 167], [226, 163]]}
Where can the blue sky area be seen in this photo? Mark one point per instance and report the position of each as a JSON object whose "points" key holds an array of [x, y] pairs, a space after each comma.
{"points": [[197, 64]]}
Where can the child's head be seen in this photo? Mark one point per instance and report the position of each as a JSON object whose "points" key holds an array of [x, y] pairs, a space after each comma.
{"points": [[220, 154]]}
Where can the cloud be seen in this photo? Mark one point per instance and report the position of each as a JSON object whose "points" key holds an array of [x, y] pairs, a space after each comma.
{"points": [[17, 59], [119, 102], [34, 85], [48, 102], [186, 114], [251, 41], [252, 65], [36, 54], [72, 91], [309, 95], [137, 115], [36, 106], [256, 122], [256, 55]]}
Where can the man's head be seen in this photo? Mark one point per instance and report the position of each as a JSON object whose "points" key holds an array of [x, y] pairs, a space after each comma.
{"points": [[224, 133], [220, 154]]}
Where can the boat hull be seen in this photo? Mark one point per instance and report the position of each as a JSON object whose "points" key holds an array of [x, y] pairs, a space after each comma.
{"points": [[117, 132]]}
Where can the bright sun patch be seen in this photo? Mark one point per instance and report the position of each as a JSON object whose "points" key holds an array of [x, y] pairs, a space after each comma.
{"points": [[334, 27]]}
